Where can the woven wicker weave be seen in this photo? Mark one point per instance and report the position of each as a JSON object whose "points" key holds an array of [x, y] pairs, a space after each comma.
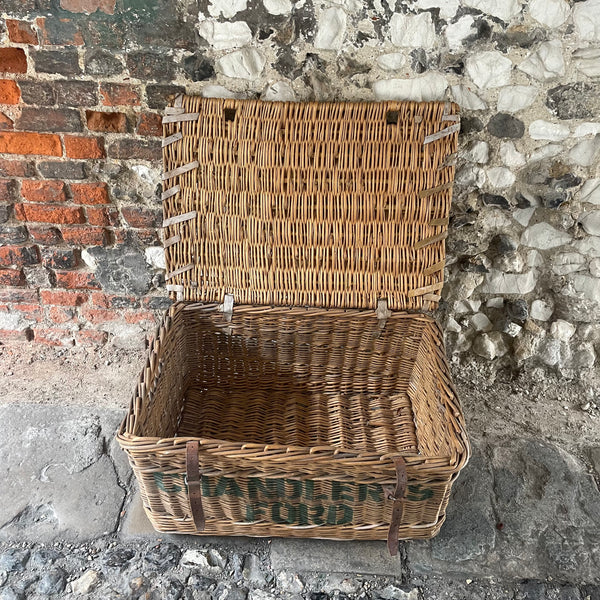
{"points": [[320, 204], [301, 416]]}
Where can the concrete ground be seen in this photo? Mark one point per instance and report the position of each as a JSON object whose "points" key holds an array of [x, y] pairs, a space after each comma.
{"points": [[523, 522]]}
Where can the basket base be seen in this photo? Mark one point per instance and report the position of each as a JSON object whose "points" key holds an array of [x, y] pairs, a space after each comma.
{"points": [[166, 524]]}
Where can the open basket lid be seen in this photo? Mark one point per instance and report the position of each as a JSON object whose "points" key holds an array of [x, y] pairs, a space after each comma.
{"points": [[333, 204]]}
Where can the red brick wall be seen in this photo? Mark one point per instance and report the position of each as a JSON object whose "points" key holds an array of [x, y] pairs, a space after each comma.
{"points": [[79, 115]]}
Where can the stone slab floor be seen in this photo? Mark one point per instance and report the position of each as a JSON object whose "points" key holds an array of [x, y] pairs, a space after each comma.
{"points": [[523, 523]]}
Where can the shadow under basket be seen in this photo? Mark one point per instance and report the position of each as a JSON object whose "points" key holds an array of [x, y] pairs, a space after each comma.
{"points": [[302, 422]]}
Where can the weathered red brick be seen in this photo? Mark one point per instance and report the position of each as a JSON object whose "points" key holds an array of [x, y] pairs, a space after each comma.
{"points": [[49, 119], [88, 6], [102, 216], [40, 213], [102, 300], [84, 147], [32, 312], [100, 315], [63, 298], [53, 337], [137, 216], [90, 337], [150, 124], [140, 316], [85, 236], [13, 60], [132, 148], [9, 92], [59, 31], [11, 277], [45, 235], [16, 168], [6, 123], [59, 314], [16, 335], [18, 256], [19, 295], [90, 193], [40, 144], [109, 122], [44, 191], [76, 280], [21, 32], [60, 258], [7, 190], [146, 237], [119, 94]]}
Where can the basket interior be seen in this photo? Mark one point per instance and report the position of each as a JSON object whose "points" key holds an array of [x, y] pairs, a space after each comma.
{"points": [[303, 378]]}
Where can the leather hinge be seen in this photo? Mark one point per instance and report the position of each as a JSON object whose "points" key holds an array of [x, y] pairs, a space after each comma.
{"points": [[397, 496], [194, 484]]}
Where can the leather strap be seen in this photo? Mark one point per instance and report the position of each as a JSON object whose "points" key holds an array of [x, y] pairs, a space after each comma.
{"points": [[192, 469], [397, 495]]}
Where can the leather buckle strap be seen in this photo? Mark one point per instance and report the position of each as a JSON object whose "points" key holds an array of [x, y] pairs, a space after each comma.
{"points": [[397, 495], [192, 469]]}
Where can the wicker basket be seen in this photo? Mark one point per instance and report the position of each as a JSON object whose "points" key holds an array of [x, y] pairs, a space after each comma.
{"points": [[284, 393]]}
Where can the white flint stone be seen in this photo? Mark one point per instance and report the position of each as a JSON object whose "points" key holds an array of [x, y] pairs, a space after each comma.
{"points": [[223, 36], [290, 583], [453, 326], [88, 259], [562, 330], [279, 91], [456, 32], [462, 308], [465, 98], [412, 31], [86, 583], [589, 246], [490, 345], [550, 352], [595, 267], [585, 152], [500, 177], [247, 63], [155, 257], [480, 322], [590, 192], [195, 559], [586, 17], [523, 215], [447, 8], [547, 151], [546, 62], [543, 237], [496, 218], [544, 130], [391, 62], [568, 262], [391, 592], [514, 98], [216, 91], [510, 156], [278, 7], [489, 69], [431, 86], [534, 259], [541, 310], [510, 263], [591, 222], [502, 9], [584, 357], [551, 13], [495, 302], [587, 60], [463, 342], [11, 320], [227, 8], [478, 152], [498, 282], [332, 28], [470, 176], [588, 286], [586, 129], [512, 329]]}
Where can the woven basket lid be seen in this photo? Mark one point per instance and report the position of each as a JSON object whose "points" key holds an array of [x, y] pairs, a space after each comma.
{"points": [[307, 204]]}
